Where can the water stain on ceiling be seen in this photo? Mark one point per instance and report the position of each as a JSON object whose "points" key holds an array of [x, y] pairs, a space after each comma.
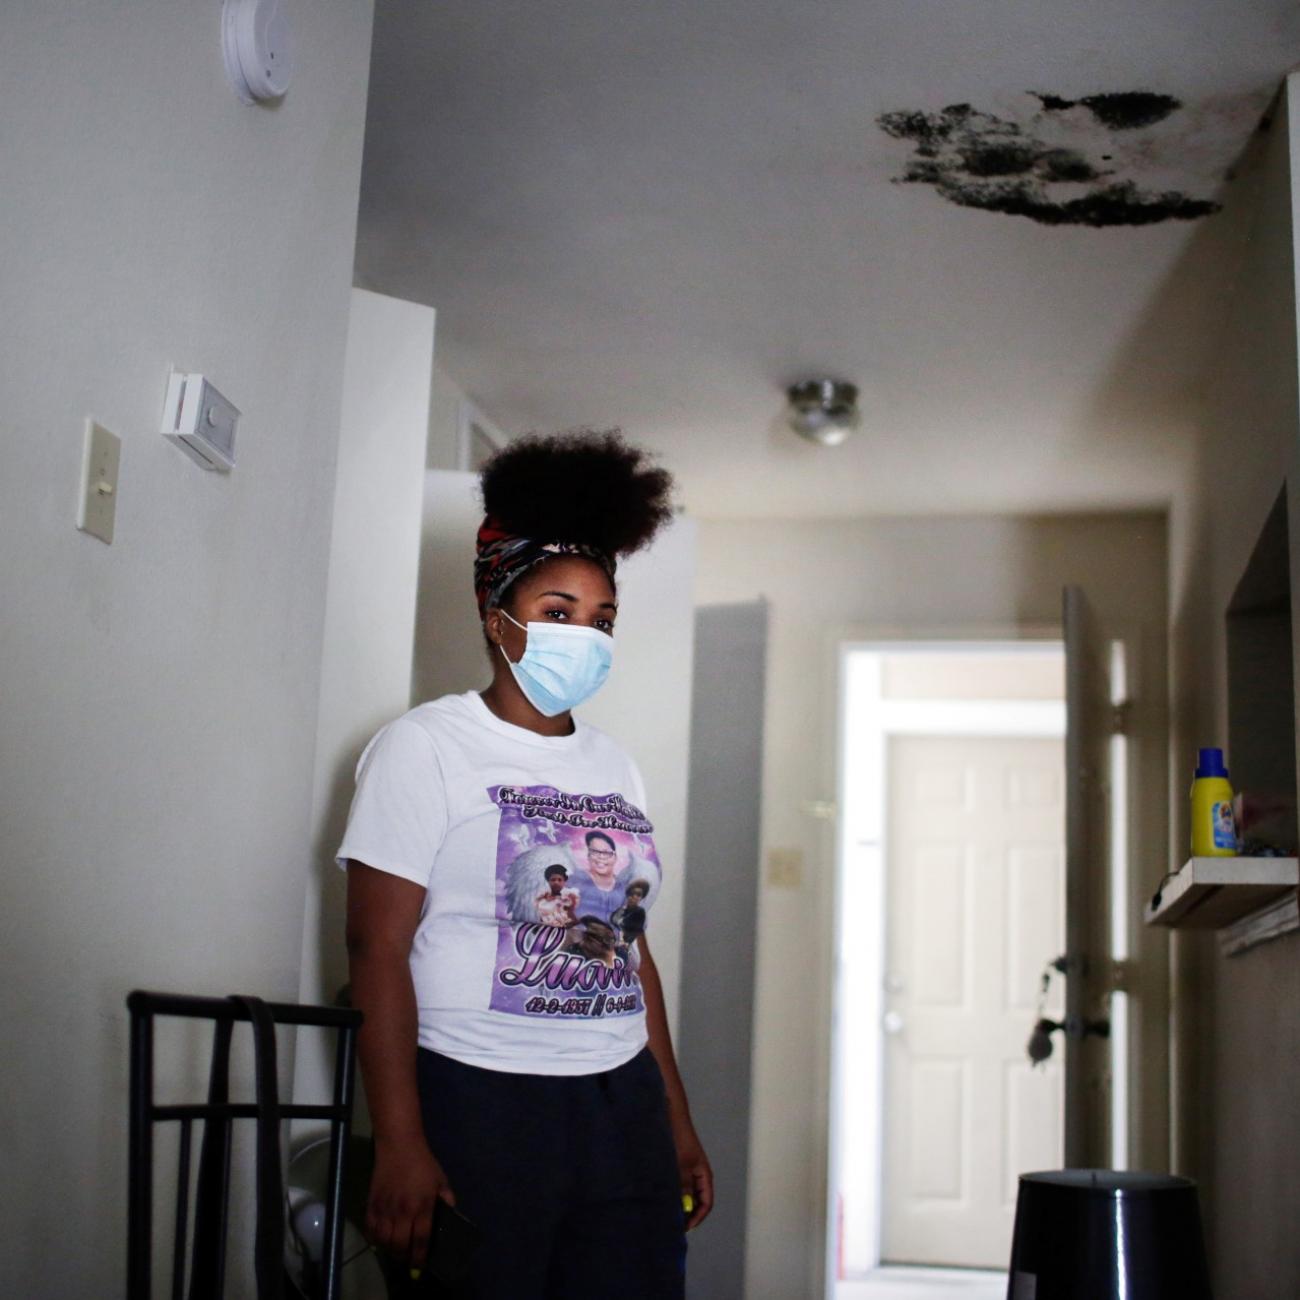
{"points": [[1076, 162]]}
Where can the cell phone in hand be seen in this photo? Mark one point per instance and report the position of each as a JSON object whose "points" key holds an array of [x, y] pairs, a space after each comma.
{"points": [[453, 1241], [452, 1245]]}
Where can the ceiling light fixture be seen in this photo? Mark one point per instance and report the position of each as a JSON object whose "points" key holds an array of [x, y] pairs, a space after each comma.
{"points": [[824, 411]]}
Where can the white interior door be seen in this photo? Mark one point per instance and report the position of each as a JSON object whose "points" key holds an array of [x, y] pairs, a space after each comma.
{"points": [[975, 879]]}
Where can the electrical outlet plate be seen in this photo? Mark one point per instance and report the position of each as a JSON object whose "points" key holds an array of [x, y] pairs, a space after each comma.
{"points": [[97, 506], [785, 868]]}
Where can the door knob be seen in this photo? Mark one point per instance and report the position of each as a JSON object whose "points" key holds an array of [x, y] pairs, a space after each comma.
{"points": [[891, 1022], [1040, 1040]]}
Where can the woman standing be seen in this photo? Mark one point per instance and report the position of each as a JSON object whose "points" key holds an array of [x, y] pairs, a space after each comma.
{"points": [[517, 1068]]}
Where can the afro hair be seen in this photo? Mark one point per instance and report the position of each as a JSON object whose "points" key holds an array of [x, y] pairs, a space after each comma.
{"points": [[584, 487]]}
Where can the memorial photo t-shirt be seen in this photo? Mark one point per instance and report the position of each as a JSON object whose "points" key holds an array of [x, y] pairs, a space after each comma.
{"points": [[540, 871]]}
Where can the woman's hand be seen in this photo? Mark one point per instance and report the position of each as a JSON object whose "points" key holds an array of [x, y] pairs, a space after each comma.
{"points": [[383, 913], [694, 1170], [404, 1189], [692, 1164]]}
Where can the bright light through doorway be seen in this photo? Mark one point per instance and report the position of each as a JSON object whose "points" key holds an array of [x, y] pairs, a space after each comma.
{"points": [[951, 902], [925, 1284], [1119, 917]]}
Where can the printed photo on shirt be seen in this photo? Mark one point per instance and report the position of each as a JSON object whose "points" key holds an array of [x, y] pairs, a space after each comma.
{"points": [[576, 877]]}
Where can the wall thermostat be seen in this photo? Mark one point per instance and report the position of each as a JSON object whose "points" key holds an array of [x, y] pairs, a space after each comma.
{"points": [[200, 421], [255, 42]]}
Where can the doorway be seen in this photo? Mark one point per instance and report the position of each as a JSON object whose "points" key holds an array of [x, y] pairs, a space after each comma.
{"points": [[951, 900]]}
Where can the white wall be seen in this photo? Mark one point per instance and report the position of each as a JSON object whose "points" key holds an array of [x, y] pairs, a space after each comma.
{"points": [[445, 397], [370, 606], [159, 696], [449, 654], [1237, 1020], [828, 580]]}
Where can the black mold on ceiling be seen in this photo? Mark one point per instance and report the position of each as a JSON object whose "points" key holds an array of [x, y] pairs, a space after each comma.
{"points": [[977, 160], [1124, 111]]}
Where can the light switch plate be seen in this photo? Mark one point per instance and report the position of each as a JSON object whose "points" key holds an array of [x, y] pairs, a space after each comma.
{"points": [[97, 508]]}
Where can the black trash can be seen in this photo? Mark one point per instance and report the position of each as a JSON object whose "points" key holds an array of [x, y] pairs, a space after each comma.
{"points": [[1095, 1234]]}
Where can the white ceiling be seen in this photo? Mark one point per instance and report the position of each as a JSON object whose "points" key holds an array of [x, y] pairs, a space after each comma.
{"points": [[656, 215]]}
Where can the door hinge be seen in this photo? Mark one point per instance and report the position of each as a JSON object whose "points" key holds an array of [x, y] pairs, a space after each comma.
{"points": [[1121, 717]]}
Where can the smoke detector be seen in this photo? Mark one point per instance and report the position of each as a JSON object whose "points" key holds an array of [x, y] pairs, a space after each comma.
{"points": [[824, 411], [255, 44]]}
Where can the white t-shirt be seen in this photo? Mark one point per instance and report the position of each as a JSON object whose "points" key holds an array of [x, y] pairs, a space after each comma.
{"points": [[476, 810]]}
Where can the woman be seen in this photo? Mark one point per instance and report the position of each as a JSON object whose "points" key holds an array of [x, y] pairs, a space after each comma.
{"points": [[518, 1069]]}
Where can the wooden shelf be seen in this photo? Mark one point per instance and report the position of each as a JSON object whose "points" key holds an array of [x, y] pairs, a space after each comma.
{"points": [[1208, 893]]}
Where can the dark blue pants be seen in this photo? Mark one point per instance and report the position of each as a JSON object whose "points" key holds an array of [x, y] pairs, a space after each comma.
{"points": [[571, 1180]]}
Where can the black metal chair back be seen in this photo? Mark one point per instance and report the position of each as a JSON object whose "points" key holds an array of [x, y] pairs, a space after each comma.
{"points": [[206, 1257]]}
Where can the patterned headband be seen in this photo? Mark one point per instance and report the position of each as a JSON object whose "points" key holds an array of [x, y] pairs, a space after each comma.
{"points": [[502, 557]]}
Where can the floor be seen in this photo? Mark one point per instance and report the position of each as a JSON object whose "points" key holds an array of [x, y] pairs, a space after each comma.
{"points": [[896, 1283]]}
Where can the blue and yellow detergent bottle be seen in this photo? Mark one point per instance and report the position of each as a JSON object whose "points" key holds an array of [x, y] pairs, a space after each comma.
{"points": [[1214, 832]]}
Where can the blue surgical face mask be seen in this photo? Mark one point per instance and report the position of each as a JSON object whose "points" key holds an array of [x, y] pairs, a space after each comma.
{"points": [[562, 665]]}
